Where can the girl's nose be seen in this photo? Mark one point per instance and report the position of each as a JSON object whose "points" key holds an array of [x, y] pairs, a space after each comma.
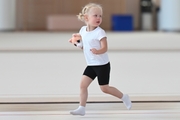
{"points": [[99, 17]]}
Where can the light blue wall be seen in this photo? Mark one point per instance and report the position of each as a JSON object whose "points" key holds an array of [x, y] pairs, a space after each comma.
{"points": [[7, 14], [170, 15]]}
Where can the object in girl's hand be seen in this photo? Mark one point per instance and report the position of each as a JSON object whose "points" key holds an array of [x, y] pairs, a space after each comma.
{"points": [[76, 40]]}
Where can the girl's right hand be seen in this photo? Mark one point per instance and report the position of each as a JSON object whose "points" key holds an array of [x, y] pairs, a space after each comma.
{"points": [[75, 34]]}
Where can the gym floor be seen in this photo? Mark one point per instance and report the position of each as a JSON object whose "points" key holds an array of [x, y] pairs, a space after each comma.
{"points": [[94, 111]]}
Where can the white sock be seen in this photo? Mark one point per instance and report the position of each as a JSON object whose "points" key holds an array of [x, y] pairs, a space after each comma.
{"points": [[127, 102], [79, 111]]}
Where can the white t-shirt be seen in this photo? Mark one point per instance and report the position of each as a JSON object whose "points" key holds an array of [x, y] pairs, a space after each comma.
{"points": [[92, 40]]}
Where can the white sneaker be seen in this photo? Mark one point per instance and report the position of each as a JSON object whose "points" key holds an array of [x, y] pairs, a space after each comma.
{"points": [[78, 111], [127, 102]]}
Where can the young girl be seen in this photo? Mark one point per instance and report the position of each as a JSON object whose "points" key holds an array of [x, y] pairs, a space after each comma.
{"points": [[95, 51]]}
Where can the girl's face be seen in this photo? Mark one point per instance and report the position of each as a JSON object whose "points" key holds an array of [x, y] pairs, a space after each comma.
{"points": [[94, 17]]}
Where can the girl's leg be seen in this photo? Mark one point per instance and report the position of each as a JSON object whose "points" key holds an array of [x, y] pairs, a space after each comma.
{"points": [[115, 92], [85, 82], [111, 90]]}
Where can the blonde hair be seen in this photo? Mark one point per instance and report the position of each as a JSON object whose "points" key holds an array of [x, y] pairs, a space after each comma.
{"points": [[86, 9]]}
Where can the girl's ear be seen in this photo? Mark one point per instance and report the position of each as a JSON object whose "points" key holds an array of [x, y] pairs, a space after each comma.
{"points": [[86, 17]]}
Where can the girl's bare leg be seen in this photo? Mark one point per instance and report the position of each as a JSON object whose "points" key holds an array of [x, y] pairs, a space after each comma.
{"points": [[85, 82], [115, 92]]}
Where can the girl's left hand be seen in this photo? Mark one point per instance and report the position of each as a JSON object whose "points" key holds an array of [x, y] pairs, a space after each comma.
{"points": [[94, 51]]}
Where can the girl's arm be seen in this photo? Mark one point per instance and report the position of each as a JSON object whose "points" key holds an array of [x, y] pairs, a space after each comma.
{"points": [[103, 49]]}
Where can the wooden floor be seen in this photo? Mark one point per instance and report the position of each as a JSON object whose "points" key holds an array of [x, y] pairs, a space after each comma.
{"points": [[94, 111]]}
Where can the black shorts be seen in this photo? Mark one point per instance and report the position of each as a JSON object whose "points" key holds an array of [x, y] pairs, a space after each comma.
{"points": [[102, 73]]}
